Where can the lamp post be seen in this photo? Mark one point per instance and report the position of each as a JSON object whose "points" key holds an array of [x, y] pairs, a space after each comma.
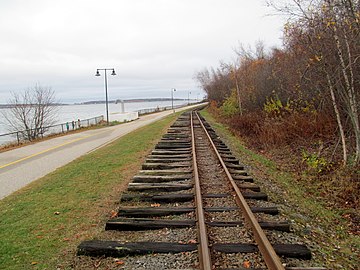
{"points": [[189, 97], [172, 99], [106, 92]]}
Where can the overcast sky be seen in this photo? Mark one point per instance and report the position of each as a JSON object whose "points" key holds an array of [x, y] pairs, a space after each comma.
{"points": [[154, 45]]}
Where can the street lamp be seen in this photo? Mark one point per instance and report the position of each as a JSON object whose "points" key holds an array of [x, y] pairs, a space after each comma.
{"points": [[172, 99], [189, 97], [106, 93]]}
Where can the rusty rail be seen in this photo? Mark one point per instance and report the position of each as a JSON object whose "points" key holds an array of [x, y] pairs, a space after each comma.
{"points": [[204, 252], [270, 257]]}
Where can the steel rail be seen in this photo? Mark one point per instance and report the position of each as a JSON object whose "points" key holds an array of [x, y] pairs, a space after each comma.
{"points": [[203, 248], [266, 249]]}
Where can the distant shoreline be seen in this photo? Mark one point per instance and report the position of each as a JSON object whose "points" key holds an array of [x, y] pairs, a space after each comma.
{"points": [[129, 100], [7, 106]]}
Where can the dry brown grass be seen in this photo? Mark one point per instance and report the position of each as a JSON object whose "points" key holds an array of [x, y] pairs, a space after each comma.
{"points": [[264, 132], [285, 140]]}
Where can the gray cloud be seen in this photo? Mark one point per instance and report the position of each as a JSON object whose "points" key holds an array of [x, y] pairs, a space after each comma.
{"points": [[153, 45]]}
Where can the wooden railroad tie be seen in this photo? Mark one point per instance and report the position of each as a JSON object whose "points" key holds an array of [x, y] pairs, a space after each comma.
{"points": [[172, 156], [173, 198], [135, 224], [166, 198], [286, 250], [245, 178], [138, 224], [166, 211], [158, 187], [99, 248], [165, 166], [168, 160], [160, 178], [246, 195], [234, 166], [165, 172], [172, 152], [173, 146]]}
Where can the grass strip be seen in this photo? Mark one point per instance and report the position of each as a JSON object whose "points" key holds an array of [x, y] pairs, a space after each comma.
{"points": [[42, 224], [313, 220]]}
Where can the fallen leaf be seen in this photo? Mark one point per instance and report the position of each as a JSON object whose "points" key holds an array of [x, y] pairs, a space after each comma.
{"points": [[113, 214], [247, 264], [33, 263], [155, 205], [119, 262], [66, 239], [192, 241], [57, 213]]}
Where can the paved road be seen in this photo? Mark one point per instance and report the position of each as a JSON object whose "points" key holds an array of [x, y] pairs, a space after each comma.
{"points": [[21, 166]]}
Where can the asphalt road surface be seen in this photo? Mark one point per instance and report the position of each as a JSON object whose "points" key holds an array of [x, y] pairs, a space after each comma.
{"points": [[21, 166]]}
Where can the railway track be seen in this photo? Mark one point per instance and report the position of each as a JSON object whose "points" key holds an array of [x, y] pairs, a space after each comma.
{"points": [[193, 206]]}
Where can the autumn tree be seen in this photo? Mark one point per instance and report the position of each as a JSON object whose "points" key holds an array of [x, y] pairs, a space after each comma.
{"points": [[329, 33], [216, 83]]}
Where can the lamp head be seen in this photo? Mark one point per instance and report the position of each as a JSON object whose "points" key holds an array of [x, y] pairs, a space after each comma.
{"points": [[113, 72], [97, 73]]}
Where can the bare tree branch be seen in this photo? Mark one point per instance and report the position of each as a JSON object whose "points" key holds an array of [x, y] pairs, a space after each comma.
{"points": [[31, 111]]}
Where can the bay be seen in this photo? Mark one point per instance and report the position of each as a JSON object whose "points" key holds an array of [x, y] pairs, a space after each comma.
{"points": [[68, 113]]}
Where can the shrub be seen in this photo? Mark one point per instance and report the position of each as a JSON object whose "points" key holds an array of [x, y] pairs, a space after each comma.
{"points": [[230, 106], [273, 106], [213, 107], [248, 125], [315, 163]]}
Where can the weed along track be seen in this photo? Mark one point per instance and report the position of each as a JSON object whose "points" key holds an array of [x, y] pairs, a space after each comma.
{"points": [[193, 206]]}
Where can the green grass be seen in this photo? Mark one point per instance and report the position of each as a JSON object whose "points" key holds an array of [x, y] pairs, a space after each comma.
{"points": [[41, 225], [337, 247]]}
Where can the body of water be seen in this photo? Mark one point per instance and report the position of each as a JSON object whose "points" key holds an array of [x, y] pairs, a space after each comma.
{"points": [[68, 113]]}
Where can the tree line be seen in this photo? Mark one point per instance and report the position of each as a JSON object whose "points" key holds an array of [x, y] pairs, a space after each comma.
{"points": [[314, 77]]}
